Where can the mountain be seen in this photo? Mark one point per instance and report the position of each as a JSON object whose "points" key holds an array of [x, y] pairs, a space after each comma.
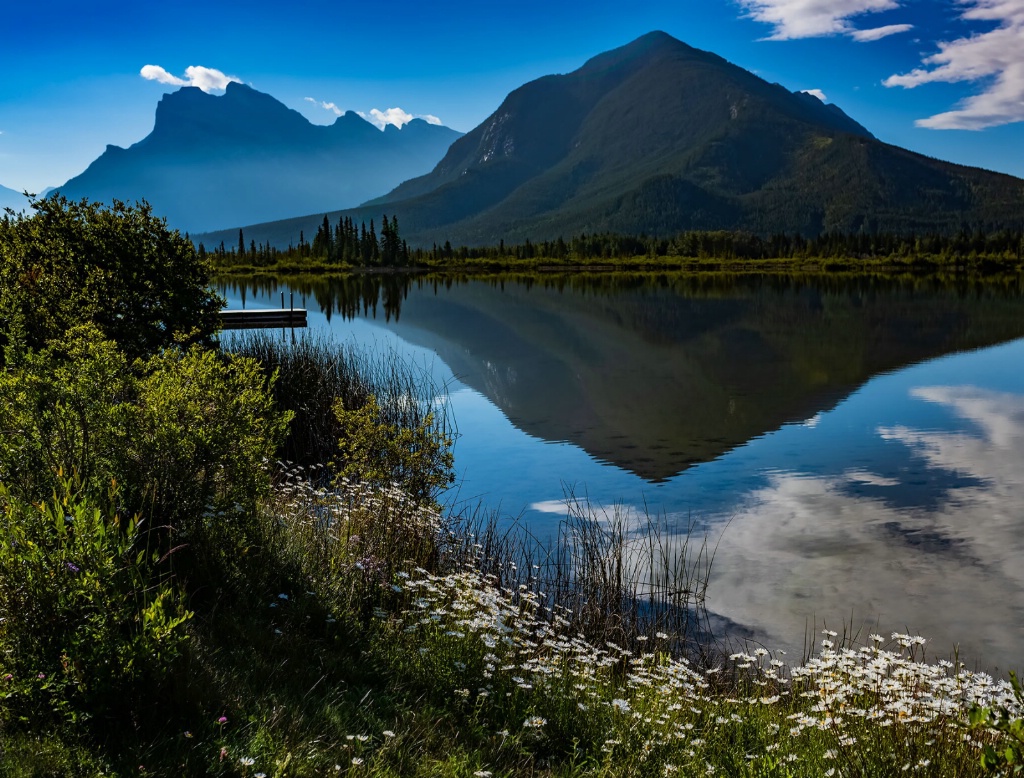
{"points": [[9, 198], [658, 137], [221, 161]]}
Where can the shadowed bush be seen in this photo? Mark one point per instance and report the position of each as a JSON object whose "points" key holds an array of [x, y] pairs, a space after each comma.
{"points": [[316, 376]]}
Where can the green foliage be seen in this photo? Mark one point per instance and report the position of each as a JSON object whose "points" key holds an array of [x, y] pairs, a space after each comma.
{"points": [[1006, 757], [206, 425], [66, 409], [379, 453], [189, 430], [86, 625], [118, 267]]}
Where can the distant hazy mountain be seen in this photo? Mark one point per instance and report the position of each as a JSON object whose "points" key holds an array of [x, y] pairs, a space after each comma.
{"points": [[658, 137], [9, 198], [244, 157]]}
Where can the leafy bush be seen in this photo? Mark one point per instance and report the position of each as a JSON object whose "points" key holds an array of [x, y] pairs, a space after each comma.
{"points": [[118, 267], [379, 453], [86, 627], [184, 435]]}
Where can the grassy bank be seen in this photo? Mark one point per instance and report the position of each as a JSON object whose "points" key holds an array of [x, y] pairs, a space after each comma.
{"points": [[917, 263]]}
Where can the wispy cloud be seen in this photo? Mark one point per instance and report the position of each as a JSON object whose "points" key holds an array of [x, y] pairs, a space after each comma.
{"points": [[816, 93], [325, 105], [994, 58], [791, 19], [395, 116], [207, 79], [877, 33]]}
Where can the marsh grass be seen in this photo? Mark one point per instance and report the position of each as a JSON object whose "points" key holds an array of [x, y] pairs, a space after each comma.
{"points": [[314, 371]]}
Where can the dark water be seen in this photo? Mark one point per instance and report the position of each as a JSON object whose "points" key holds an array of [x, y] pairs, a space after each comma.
{"points": [[854, 446]]}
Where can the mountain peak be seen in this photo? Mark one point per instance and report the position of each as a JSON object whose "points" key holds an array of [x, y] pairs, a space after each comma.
{"points": [[216, 160]]}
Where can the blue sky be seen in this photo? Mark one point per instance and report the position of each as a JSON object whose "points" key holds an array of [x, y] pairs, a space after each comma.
{"points": [[942, 77]]}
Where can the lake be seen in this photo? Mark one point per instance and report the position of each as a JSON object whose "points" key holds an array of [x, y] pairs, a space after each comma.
{"points": [[853, 446]]}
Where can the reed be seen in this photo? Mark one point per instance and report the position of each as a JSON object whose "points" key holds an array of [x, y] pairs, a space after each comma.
{"points": [[313, 371]]}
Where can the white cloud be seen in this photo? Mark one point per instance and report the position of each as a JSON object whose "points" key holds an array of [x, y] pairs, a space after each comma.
{"points": [[877, 33], [326, 106], [207, 79], [824, 98], [817, 18], [395, 116], [994, 58]]}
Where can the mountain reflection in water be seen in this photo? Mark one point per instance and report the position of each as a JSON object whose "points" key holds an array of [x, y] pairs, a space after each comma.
{"points": [[655, 373], [805, 420]]}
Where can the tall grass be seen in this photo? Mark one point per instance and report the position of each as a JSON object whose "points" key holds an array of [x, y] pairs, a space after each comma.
{"points": [[314, 370]]}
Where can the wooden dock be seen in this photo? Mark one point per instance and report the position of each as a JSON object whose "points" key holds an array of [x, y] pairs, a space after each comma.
{"points": [[253, 319]]}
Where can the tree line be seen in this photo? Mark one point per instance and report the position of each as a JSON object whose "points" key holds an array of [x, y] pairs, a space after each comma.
{"points": [[347, 244]]}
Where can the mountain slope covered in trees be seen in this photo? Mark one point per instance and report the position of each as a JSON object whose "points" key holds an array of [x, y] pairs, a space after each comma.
{"points": [[213, 162], [658, 137]]}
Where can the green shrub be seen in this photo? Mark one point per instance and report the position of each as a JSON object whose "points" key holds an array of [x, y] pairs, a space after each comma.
{"points": [[185, 435], [118, 267], [373, 451], [87, 627]]}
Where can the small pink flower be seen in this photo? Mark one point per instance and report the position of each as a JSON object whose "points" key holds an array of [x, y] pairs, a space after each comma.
{"points": [[222, 720], [41, 676]]}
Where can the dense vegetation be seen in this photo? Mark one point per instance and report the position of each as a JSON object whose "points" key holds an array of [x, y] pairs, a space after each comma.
{"points": [[346, 245], [176, 602]]}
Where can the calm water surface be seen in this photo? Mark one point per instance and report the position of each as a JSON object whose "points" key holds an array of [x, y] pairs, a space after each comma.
{"points": [[855, 447]]}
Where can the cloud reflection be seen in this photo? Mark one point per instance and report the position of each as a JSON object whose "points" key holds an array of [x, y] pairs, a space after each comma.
{"points": [[809, 548]]}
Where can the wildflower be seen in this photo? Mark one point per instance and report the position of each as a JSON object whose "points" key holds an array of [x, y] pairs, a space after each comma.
{"points": [[282, 596], [362, 738], [357, 761], [535, 722], [247, 761], [72, 567], [483, 774], [621, 705], [388, 733]]}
